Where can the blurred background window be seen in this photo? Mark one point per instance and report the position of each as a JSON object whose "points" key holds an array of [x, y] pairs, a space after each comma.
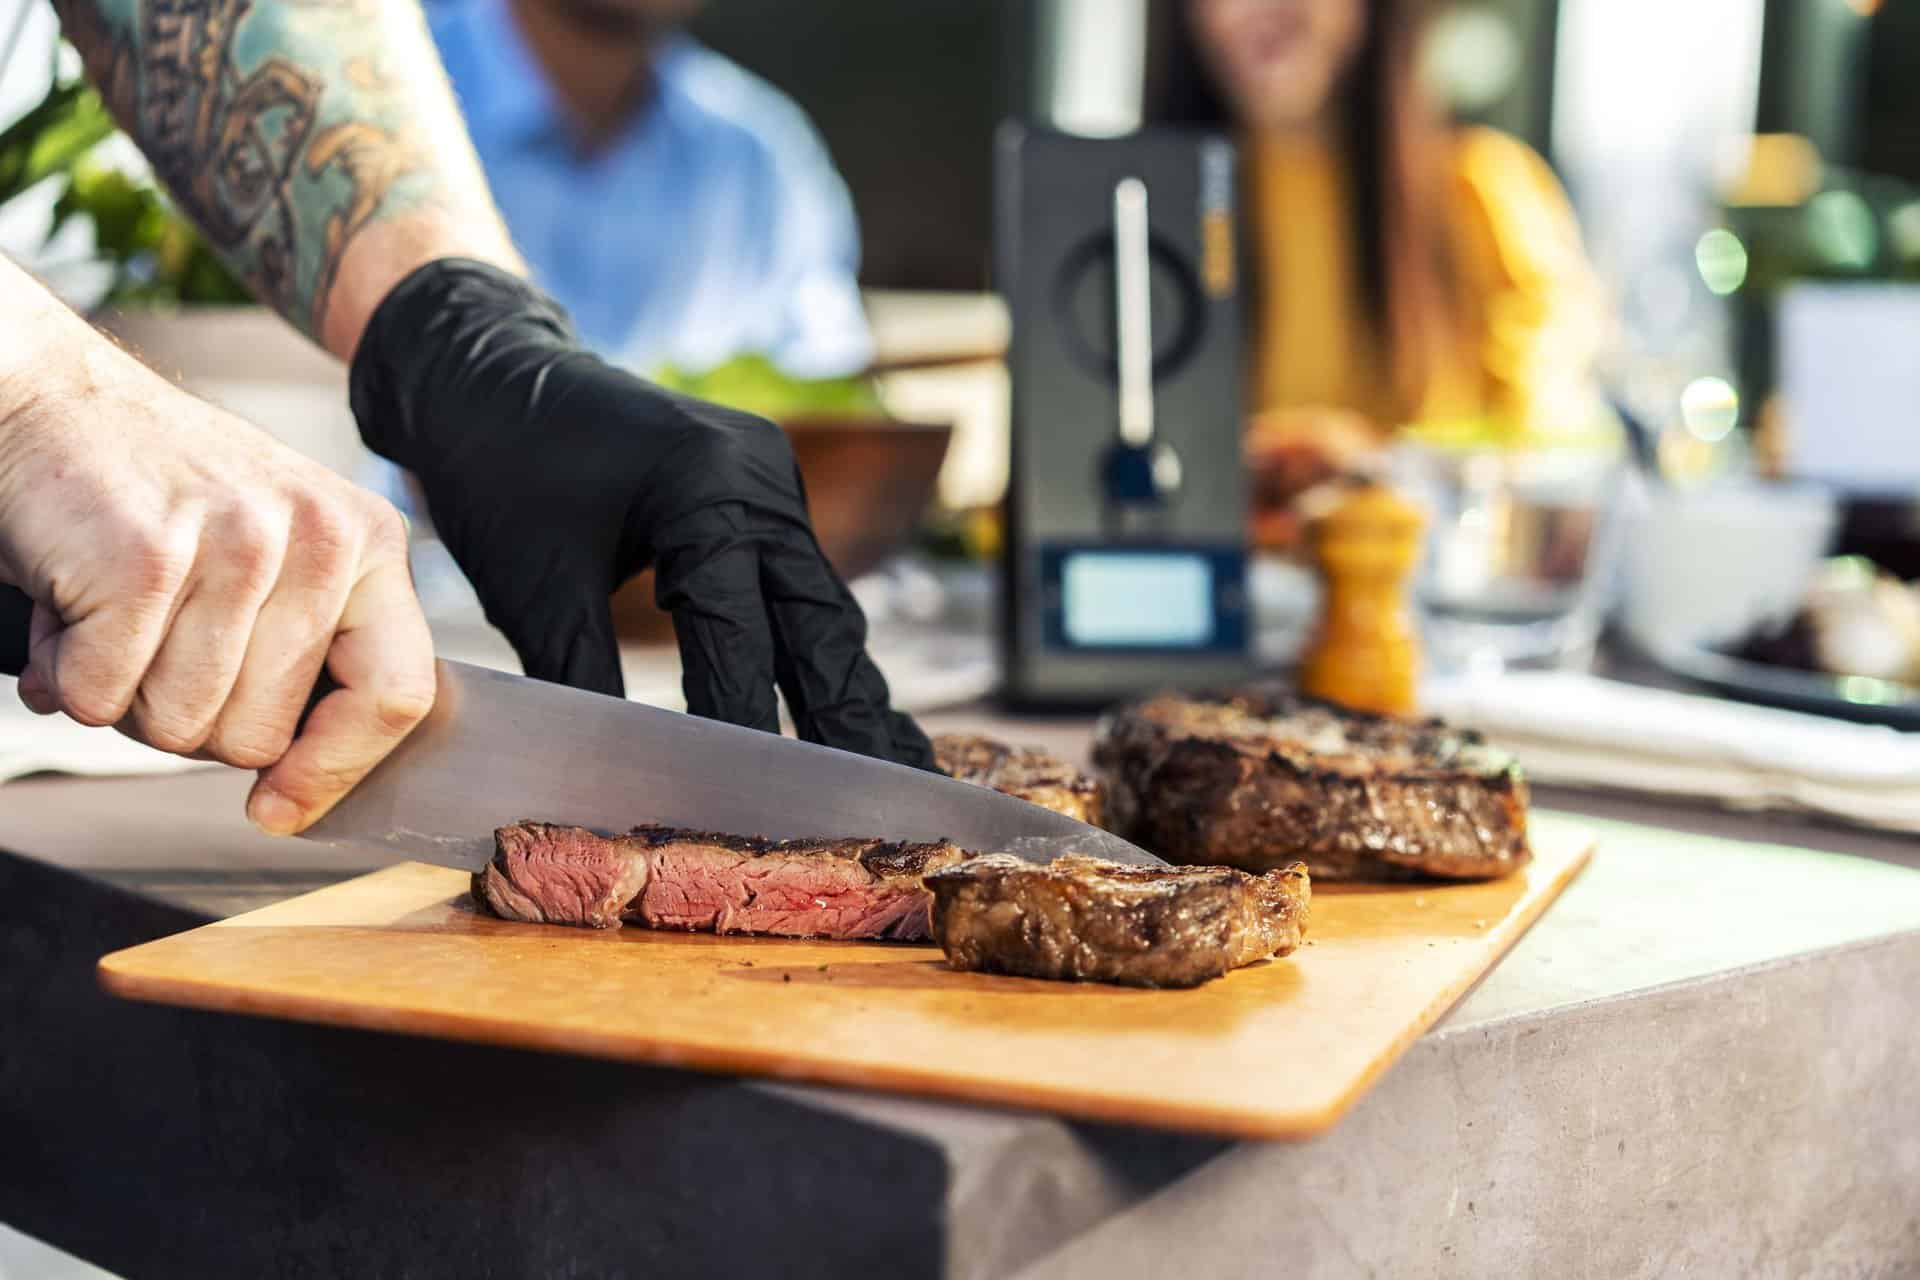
{"points": [[1650, 100], [1718, 154], [908, 97]]}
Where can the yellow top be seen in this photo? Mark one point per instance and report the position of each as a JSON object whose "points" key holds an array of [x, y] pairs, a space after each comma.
{"points": [[1534, 315]]}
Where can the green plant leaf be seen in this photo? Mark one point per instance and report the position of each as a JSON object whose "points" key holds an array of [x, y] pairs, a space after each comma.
{"points": [[756, 384], [20, 140]]}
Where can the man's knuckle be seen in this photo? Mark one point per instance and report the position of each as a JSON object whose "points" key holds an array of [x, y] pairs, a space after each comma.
{"points": [[96, 705], [154, 562], [249, 746], [329, 558], [96, 684], [313, 782], [177, 732], [387, 528], [252, 553], [253, 515], [327, 518], [403, 704]]}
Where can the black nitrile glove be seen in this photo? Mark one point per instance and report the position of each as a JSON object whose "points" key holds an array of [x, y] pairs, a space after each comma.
{"points": [[553, 477]]}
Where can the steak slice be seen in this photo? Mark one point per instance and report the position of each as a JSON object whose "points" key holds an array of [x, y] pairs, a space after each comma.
{"points": [[1089, 920], [1027, 772], [672, 878], [1258, 777]]}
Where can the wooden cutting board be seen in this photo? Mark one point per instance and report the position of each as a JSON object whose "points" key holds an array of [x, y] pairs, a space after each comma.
{"points": [[1277, 1050]]}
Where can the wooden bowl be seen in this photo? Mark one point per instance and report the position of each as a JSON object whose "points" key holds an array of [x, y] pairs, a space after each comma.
{"points": [[869, 481]]}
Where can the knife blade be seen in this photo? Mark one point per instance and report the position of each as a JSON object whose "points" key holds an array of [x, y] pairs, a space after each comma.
{"points": [[500, 748]]}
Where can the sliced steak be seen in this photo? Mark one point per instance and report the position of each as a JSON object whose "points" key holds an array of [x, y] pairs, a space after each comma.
{"points": [[1027, 772], [1259, 777], [1089, 920], [672, 878]]}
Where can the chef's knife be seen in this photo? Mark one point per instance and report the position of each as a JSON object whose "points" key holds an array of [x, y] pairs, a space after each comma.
{"points": [[500, 748]]}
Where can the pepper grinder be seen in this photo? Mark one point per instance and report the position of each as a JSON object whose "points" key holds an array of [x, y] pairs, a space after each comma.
{"points": [[1366, 652]]}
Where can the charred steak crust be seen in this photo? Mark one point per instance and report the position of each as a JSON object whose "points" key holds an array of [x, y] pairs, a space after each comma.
{"points": [[1033, 775], [673, 878], [1089, 920], [1257, 777], [881, 857]]}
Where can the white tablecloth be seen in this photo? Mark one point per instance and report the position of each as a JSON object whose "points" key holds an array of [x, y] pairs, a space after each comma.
{"points": [[1581, 730], [55, 744]]}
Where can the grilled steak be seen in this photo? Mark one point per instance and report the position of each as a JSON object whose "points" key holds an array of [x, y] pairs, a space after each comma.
{"points": [[672, 878], [1090, 920], [1027, 772], [1259, 777]]}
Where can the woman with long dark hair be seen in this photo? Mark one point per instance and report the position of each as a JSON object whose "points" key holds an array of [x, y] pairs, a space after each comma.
{"points": [[1405, 273]]}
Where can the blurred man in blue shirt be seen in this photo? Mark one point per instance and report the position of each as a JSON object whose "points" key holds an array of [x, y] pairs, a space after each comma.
{"points": [[681, 208]]}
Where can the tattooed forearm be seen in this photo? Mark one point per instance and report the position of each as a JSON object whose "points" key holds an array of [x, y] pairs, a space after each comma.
{"points": [[284, 128]]}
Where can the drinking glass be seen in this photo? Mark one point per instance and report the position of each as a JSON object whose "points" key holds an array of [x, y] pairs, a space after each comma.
{"points": [[1520, 553]]}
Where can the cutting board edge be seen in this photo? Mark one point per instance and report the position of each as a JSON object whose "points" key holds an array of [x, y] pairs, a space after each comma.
{"points": [[118, 974], [1444, 1003], [1294, 1125]]}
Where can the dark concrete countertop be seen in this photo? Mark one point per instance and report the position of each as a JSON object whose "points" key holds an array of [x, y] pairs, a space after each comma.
{"points": [[1699, 1060]]}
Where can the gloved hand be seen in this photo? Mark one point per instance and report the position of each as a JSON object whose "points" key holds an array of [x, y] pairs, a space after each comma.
{"points": [[553, 477]]}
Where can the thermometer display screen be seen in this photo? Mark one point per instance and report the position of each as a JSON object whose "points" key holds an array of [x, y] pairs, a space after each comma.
{"points": [[1137, 599]]}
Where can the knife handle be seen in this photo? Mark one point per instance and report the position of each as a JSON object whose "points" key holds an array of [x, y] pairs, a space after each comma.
{"points": [[321, 688], [16, 615]]}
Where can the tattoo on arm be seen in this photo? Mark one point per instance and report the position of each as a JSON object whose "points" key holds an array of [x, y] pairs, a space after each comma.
{"points": [[283, 127]]}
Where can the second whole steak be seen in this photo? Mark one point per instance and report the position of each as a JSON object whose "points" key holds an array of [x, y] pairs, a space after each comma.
{"points": [[1259, 777], [1033, 775]]}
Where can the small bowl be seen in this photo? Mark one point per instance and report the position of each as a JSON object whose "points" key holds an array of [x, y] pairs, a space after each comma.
{"points": [[1705, 566], [869, 482]]}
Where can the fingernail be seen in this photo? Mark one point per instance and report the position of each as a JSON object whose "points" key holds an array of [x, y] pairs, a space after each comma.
{"points": [[272, 812]]}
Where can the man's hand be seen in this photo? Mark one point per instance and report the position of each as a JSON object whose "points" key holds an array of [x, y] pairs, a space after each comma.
{"points": [[553, 477], [191, 576]]}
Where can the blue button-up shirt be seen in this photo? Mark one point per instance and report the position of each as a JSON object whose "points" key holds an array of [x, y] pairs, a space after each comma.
{"points": [[715, 224]]}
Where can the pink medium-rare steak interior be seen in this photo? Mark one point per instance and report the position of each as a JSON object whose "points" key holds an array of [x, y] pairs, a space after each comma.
{"points": [[672, 878], [695, 885], [544, 874]]}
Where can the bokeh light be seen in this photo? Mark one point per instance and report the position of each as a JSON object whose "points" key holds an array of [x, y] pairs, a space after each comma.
{"points": [[1722, 260], [1709, 407], [1841, 230], [1870, 692], [1903, 229], [1473, 57]]}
